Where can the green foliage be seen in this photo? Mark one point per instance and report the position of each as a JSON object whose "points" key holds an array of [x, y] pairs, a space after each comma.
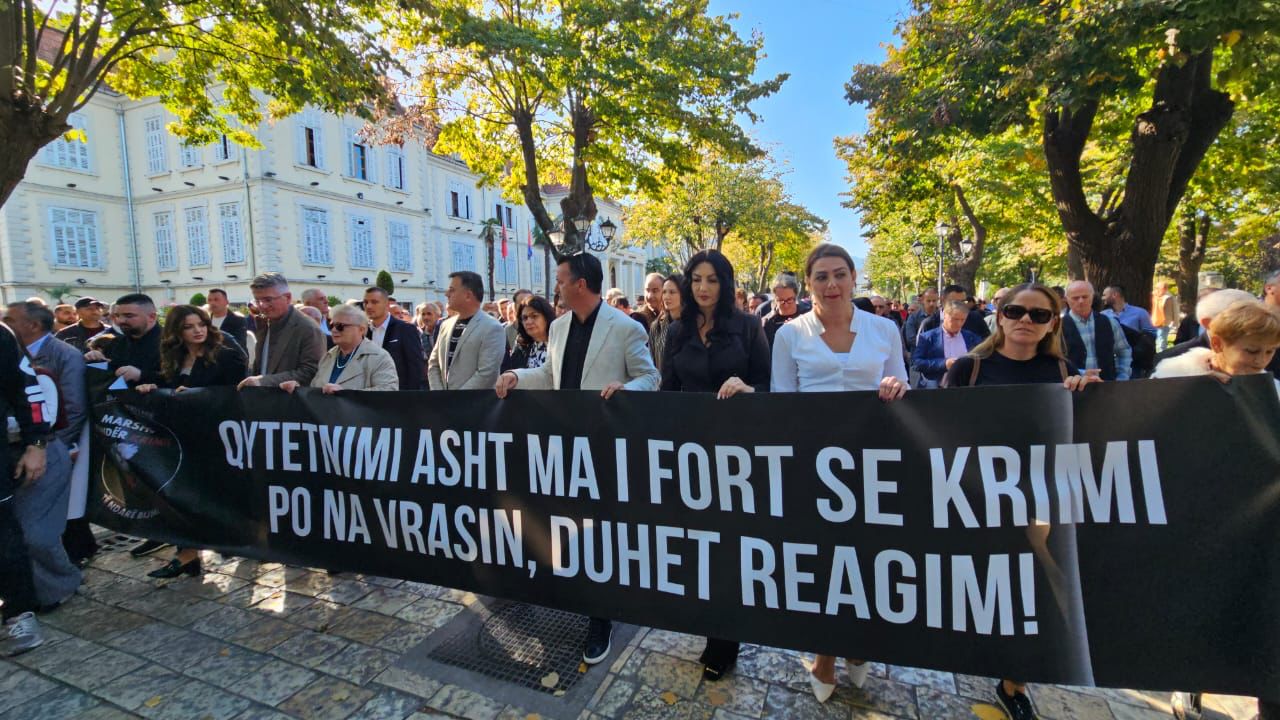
{"points": [[662, 265], [209, 61], [334, 300], [384, 281], [602, 96], [198, 299], [57, 292], [741, 208]]}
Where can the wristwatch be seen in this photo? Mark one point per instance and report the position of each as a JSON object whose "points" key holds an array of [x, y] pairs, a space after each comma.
{"points": [[38, 443]]}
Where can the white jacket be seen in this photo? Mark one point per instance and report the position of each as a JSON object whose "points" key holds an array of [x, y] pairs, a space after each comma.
{"points": [[618, 352], [1189, 364]]}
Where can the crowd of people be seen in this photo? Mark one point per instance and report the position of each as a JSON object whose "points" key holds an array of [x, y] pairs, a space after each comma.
{"points": [[695, 331]]}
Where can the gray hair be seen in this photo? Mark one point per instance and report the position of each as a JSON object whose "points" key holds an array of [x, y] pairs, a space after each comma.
{"points": [[785, 280], [956, 306], [1215, 302], [311, 293], [37, 312], [270, 281], [1273, 278], [351, 313]]}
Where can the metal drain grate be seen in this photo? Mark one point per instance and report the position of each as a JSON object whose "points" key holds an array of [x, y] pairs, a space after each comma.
{"points": [[116, 542], [534, 647]]}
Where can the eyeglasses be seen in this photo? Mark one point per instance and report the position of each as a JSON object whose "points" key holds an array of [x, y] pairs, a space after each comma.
{"points": [[785, 301], [339, 327], [1039, 316]]}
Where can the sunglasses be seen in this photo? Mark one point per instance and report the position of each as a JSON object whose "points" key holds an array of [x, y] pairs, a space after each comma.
{"points": [[1039, 316], [339, 327]]}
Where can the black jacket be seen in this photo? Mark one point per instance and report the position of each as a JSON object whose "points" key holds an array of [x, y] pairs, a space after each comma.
{"points": [[230, 366], [975, 323], [403, 342], [1104, 345], [236, 326], [142, 353], [736, 347]]}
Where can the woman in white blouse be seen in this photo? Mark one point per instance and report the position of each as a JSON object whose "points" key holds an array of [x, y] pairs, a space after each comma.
{"points": [[837, 348]]}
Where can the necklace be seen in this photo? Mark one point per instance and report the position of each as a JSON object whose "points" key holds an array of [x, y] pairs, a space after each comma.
{"points": [[341, 363]]}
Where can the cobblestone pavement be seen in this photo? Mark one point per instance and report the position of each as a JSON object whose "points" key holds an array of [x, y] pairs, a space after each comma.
{"points": [[252, 640]]}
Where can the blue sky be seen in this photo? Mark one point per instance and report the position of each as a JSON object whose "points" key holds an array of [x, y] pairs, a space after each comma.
{"points": [[818, 43]]}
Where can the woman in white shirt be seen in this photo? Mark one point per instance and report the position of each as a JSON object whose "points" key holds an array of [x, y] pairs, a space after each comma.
{"points": [[837, 348]]}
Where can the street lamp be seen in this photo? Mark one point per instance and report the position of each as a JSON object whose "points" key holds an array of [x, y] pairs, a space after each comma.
{"points": [[943, 231], [917, 249], [966, 246]]}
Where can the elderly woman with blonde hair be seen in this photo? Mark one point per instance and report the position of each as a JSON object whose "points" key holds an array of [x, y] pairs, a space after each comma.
{"points": [[353, 363], [1242, 340]]}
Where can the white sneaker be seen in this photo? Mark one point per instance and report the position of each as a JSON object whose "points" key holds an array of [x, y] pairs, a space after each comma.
{"points": [[821, 690], [22, 634], [858, 672]]}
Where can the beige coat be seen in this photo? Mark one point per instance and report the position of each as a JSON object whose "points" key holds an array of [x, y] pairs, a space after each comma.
{"points": [[617, 352], [477, 360], [370, 368]]}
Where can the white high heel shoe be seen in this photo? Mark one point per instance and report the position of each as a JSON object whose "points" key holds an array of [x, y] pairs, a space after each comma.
{"points": [[821, 690], [858, 673]]}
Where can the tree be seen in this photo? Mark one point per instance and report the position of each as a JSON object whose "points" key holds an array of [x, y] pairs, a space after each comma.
{"points": [[198, 299], [739, 208], [56, 292], [978, 67], [52, 61], [384, 281], [597, 95]]}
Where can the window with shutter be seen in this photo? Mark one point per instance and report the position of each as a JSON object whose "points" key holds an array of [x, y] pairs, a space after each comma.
{"points": [[395, 167], [197, 236], [191, 156], [316, 247], [69, 154], [75, 238], [399, 248], [231, 232], [359, 157], [156, 161], [222, 148], [536, 275], [464, 256], [361, 245], [166, 256], [454, 206]]}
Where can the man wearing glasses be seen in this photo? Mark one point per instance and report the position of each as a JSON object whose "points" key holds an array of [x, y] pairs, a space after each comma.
{"points": [[786, 305], [289, 345]]}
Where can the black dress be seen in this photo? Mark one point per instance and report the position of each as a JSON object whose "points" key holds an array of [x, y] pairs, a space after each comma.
{"points": [[735, 347]]}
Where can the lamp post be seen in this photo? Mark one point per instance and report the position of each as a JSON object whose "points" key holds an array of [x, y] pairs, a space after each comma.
{"points": [[943, 231]]}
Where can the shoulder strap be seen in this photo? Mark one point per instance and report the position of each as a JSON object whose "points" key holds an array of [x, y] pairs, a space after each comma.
{"points": [[1062, 367], [973, 374]]}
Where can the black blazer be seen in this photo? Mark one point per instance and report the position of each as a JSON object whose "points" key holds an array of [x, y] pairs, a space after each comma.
{"points": [[737, 346], [236, 326], [230, 367], [403, 342]]}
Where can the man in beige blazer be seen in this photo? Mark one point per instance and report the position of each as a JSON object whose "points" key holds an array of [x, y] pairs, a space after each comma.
{"points": [[592, 347], [471, 345]]}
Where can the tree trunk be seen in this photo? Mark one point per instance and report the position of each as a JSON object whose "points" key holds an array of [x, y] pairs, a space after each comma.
{"points": [[965, 272], [1193, 241], [532, 187], [25, 129], [580, 202], [1168, 142], [488, 234]]}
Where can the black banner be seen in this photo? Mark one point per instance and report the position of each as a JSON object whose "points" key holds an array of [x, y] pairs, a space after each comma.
{"points": [[1125, 536]]}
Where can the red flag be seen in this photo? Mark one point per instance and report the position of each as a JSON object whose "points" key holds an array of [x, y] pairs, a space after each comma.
{"points": [[504, 242], [529, 253]]}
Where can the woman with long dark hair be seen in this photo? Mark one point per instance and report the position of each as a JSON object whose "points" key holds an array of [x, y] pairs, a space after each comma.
{"points": [[714, 347], [1026, 347], [533, 322], [671, 304], [193, 354]]}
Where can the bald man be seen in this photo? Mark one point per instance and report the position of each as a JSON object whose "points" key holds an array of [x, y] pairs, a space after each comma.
{"points": [[1094, 341]]}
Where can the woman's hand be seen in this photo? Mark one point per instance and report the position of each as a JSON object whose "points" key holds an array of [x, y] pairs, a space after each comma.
{"points": [[144, 389], [733, 386], [891, 388], [289, 385], [610, 389], [331, 388], [180, 388], [1076, 383]]}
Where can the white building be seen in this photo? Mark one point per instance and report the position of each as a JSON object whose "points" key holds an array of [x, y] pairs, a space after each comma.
{"points": [[131, 208]]}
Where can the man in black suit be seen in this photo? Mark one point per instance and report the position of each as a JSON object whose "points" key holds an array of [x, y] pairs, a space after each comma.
{"points": [[401, 340], [229, 322]]}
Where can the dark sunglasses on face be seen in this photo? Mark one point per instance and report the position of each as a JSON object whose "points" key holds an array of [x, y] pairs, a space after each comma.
{"points": [[1039, 316], [339, 327]]}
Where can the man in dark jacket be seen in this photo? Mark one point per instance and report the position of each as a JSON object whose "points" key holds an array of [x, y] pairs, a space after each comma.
{"points": [[401, 340], [89, 311], [975, 323], [19, 391], [225, 319], [135, 355]]}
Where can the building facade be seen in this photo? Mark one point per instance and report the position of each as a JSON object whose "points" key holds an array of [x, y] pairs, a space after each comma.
{"points": [[129, 207]]}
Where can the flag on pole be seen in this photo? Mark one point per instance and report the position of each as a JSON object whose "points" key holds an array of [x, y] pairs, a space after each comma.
{"points": [[504, 242], [529, 252]]}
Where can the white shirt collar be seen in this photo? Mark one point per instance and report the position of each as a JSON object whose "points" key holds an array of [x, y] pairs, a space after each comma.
{"points": [[34, 348]]}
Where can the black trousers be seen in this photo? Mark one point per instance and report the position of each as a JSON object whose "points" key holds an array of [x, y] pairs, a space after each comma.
{"points": [[16, 586], [1269, 710]]}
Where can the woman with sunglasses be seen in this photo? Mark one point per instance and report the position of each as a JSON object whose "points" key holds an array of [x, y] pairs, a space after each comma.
{"points": [[1026, 347], [837, 348], [352, 363]]}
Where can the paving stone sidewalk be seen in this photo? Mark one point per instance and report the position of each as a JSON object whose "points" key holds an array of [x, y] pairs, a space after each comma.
{"points": [[257, 641]]}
